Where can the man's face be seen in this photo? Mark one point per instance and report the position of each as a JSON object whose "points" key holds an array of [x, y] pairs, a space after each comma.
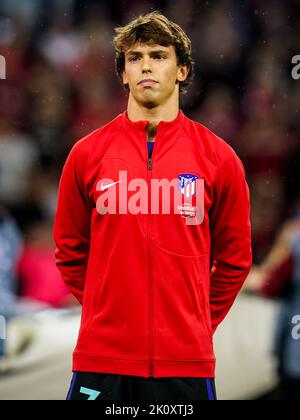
{"points": [[156, 63]]}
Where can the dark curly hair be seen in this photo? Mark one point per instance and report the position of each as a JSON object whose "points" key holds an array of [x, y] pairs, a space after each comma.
{"points": [[154, 28]]}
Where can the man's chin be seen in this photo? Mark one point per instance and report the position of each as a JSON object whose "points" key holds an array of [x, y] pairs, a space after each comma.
{"points": [[150, 105], [147, 101]]}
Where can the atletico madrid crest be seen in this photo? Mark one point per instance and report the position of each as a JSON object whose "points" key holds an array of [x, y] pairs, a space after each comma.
{"points": [[187, 185]]}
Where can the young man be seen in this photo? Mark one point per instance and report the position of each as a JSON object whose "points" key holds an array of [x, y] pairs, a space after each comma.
{"points": [[154, 242]]}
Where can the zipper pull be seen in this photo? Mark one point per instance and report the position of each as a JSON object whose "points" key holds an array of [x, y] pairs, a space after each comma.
{"points": [[149, 163]]}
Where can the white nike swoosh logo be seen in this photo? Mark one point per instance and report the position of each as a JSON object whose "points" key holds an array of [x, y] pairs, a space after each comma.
{"points": [[105, 187]]}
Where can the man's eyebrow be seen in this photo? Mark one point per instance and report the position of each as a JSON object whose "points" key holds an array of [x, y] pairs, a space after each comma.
{"points": [[151, 52]]}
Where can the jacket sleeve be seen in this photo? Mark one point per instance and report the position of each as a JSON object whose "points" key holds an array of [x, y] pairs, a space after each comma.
{"points": [[231, 252], [72, 225]]}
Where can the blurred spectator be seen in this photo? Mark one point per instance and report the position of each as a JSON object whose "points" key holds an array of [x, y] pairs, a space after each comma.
{"points": [[279, 277], [26, 11], [39, 279], [10, 246], [17, 159], [223, 38], [50, 108], [220, 114], [62, 45]]}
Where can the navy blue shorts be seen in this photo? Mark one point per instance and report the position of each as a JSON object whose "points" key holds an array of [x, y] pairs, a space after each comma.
{"points": [[97, 386]]}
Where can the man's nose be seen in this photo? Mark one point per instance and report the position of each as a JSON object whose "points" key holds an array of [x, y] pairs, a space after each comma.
{"points": [[146, 66]]}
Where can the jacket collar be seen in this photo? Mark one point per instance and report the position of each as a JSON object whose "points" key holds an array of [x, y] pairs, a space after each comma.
{"points": [[162, 126]]}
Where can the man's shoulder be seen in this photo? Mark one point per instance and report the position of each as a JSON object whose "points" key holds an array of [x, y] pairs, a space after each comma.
{"points": [[92, 139], [211, 141]]}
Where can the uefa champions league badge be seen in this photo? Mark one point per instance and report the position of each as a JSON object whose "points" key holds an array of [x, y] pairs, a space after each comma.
{"points": [[187, 185]]}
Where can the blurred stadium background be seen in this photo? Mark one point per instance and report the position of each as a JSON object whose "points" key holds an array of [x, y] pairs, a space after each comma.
{"points": [[60, 85]]}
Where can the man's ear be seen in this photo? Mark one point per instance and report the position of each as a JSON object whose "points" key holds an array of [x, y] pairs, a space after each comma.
{"points": [[182, 73], [124, 78]]}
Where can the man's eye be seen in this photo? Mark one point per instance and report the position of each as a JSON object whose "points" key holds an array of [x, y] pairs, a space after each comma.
{"points": [[133, 58], [159, 57]]}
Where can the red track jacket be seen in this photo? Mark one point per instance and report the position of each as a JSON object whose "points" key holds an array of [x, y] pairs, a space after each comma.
{"points": [[154, 285]]}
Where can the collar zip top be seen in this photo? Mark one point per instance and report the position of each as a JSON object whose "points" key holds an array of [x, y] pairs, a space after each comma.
{"points": [[150, 280], [164, 127]]}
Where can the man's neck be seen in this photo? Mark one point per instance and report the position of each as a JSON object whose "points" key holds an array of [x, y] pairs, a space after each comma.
{"points": [[153, 115], [151, 131], [166, 112]]}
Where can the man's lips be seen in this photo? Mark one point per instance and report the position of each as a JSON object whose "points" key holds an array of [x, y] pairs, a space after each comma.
{"points": [[147, 82]]}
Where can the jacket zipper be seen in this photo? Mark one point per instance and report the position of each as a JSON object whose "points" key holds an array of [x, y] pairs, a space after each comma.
{"points": [[151, 327]]}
